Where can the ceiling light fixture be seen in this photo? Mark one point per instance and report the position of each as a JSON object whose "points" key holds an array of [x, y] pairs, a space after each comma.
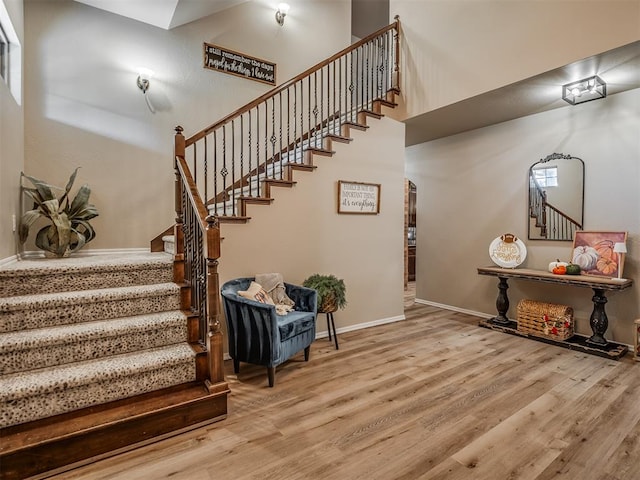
{"points": [[283, 9], [585, 90]]}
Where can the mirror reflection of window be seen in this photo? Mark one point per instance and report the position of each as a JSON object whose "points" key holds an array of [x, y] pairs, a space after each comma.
{"points": [[546, 177]]}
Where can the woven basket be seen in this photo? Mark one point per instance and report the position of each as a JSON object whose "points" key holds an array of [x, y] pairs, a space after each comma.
{"points": [[545, 320]]}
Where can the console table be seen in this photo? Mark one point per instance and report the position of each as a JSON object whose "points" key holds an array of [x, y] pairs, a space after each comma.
{"points": [[598, 321]]}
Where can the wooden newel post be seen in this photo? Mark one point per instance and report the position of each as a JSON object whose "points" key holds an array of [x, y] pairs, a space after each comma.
{"points": [[178, 231], [214, 334]]}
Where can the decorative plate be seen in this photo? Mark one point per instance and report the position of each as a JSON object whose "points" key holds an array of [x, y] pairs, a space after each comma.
{"points": [[507, 251]]}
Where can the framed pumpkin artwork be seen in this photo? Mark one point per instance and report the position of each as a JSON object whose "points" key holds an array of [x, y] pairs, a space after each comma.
{"points": [[594, 253]]}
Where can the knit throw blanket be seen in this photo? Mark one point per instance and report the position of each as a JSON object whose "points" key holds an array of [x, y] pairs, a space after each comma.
{"points": [[273, 283]]}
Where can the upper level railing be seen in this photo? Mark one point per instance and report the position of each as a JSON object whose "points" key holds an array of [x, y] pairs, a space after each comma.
{"points": [[231, 158]]}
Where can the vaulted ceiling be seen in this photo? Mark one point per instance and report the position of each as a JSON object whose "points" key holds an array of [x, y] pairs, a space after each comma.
{"points": [[165, 14], [620, 69]]}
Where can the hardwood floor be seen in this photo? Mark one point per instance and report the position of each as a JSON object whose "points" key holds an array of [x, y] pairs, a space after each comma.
{"points": [[432, 397]]}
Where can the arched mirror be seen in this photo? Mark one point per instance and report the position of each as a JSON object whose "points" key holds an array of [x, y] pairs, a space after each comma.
{"points": [[556, 197]]}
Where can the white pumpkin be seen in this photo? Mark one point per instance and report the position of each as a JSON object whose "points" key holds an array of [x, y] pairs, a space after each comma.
{"points": [[586, 257], [555, 264]]}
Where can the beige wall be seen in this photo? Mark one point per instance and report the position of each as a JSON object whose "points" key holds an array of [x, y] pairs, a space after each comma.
{"points": [[11, 147], [84, 108], [301, 233], [456, 49], [472, 187]]}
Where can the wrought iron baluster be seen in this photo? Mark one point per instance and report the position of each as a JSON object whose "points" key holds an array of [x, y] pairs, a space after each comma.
{"points": [[249, 152], [224, 172], [280, 133], [206, 180], [233, 168], [258, 150], [241, 140], [215, 169]]}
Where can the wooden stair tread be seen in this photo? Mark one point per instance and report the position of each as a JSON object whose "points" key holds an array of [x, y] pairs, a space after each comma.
{"points": [[357, 126], [256, 200], [280, 183], [339, 138], [302, 167], [233, 219], [320, 151], [371, 113]]}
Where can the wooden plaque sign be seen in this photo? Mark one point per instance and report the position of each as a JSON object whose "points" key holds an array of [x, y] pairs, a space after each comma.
{"points": [[239, 64], [358, 197]]}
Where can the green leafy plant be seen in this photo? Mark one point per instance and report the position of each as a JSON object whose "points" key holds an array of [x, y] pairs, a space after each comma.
{"points": [[331, 291], [69, 228]]}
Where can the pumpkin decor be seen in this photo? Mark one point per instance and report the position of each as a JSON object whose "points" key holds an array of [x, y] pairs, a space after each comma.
{"points": [[606, 265], [555, 264], [573, 269], [586, 257], [559, 270]]}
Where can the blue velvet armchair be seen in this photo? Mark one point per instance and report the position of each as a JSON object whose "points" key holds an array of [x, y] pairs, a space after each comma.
{"points": [[260, 336]]}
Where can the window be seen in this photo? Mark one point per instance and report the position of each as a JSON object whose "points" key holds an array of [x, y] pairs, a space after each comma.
{"points": [[4, 55], [546, 177]]}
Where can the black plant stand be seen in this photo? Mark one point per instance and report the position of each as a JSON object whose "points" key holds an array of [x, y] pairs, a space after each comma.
{"points": [[331, 324]]}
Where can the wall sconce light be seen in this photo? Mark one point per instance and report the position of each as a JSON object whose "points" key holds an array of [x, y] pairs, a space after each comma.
{"points": [[144, 75], [585, 90], [283, 9], [620, 248]]}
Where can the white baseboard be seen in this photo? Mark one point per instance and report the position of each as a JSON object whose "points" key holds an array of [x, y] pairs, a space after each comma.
{"points": [[8, 260], [455, 309], [359, 326]]}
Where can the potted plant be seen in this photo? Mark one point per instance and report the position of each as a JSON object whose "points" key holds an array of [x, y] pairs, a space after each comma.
{"points": [[331, 292], [69, 229]]}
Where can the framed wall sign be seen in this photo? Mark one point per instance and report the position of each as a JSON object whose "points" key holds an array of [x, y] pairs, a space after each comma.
{"points": [[358, 197], [234, 63]]}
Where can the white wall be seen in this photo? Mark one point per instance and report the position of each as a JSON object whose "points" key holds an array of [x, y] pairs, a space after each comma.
{"points": [[455, 49], [11, 144], [301, 233], [472, 187], [84, 108]]}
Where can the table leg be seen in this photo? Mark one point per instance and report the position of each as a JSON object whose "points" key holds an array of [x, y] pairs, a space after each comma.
{"points": [[598, 321], [502, 303]]}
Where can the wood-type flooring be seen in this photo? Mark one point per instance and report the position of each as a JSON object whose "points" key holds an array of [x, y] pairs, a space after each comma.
{"points": [[431, 397]]}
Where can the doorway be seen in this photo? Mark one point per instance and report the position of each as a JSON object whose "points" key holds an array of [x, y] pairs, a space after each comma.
{"points": [[410, 243]]}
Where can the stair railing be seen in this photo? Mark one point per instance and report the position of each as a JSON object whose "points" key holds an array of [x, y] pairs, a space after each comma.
{"points": [[259, 140], [197, 249], [256, 142]]}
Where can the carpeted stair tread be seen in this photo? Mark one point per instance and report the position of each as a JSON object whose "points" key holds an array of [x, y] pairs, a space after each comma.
{"points": [[61, 308], [83, 272], [38, 348], [50, 391]]}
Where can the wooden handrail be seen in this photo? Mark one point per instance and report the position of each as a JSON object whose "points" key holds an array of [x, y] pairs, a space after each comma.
{"points": [[271, 93]]}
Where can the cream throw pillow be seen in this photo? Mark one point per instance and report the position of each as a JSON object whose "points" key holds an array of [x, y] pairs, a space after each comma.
{"points": [[257, 293]]}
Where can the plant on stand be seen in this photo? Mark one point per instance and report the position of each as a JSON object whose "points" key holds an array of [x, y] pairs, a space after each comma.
{"points": [[69, 229], [331, 292]]}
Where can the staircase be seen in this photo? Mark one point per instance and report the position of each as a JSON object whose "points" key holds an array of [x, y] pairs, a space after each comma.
{"points": [[96, 354], [99, 354]]}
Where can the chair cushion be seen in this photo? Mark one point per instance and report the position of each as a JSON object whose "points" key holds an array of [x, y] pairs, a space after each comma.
{"points": [[294, 323]]}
